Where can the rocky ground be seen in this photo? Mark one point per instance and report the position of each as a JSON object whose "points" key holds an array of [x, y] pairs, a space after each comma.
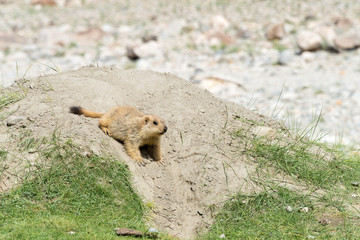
{"points": [[293, 60]]}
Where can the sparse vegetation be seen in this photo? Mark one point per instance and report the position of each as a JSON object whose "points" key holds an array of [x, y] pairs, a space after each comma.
{"points": [[69, 196], [267, 215], [8, 97]]}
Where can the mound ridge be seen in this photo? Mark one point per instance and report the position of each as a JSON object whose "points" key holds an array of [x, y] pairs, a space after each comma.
{"points": [[204, 164]]}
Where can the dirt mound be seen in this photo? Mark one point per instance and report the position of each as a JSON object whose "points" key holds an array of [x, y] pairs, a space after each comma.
{"points": [[204, 164]]}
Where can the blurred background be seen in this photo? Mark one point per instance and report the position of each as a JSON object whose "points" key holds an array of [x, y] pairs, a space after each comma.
{"points": [[294, 60]]}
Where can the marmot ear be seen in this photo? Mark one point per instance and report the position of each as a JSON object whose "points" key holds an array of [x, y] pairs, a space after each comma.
{"points": [[146, 119]]}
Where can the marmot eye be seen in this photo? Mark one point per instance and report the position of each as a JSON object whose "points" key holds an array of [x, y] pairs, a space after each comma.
{"points": [[155, 122]]}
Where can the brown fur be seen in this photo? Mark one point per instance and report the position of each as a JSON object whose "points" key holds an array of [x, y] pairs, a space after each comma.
{"points": [[132, 127]]}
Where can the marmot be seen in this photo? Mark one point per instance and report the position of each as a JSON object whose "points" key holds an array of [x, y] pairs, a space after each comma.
{"points": [[132, 127]]}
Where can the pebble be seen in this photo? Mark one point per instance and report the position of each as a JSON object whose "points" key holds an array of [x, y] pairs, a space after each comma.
{"points": [[328, 35], [308, 41], [285, 57], [355, 184], [266, 132], [153, 230], [288, 209], [304, 209], [345, 42], [308, 56], [220, 23], [13, 120], [276, 31], [222, 236]]}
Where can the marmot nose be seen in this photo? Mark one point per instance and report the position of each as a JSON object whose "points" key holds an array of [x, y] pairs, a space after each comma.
{"points": [[165, 129]]}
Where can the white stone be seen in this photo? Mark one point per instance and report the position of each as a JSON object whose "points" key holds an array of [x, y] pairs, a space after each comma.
{"points": [[304, 209], [220, 23], [108, 28], [153, 230], [328, 35], [308, 56], [289, 209], [263, 131], [149, 49], [309, 41]]}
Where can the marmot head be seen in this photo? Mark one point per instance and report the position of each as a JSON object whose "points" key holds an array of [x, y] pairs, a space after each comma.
{"points": [[154, 125]]}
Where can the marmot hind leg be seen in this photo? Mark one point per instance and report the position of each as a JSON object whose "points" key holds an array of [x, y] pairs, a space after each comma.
{"points": [[104, 125]]}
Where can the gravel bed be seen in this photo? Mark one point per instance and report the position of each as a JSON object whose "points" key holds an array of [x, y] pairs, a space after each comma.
{"points": [[219, 45]]}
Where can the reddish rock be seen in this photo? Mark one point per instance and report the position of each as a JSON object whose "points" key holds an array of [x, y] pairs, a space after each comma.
{"points": [[44, 2], [276, 31], [90, 36]]}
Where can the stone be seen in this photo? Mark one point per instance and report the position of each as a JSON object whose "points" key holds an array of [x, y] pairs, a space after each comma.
{"points": [[43, 2], [342, 24], [345, 42], [13, 120], [266, 132], [148, 38], [107, 28], [89, 36], [308, 56], [148, 49], [32, 85], [285, 57], [309, 41], [222, 236], [130, 53], [328, 35], [355, 184], [220, 23], [152, 230], [289, 209], [215, 38], [304, 209], [276, 31]]}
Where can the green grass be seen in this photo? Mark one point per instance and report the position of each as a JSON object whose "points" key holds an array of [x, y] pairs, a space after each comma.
{"points": [[303, 159], [8, 97], [264, 216], [66, 192], [312, 165]]}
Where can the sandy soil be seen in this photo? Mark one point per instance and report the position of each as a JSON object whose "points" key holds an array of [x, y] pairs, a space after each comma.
{"points": [[204, 164]]}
